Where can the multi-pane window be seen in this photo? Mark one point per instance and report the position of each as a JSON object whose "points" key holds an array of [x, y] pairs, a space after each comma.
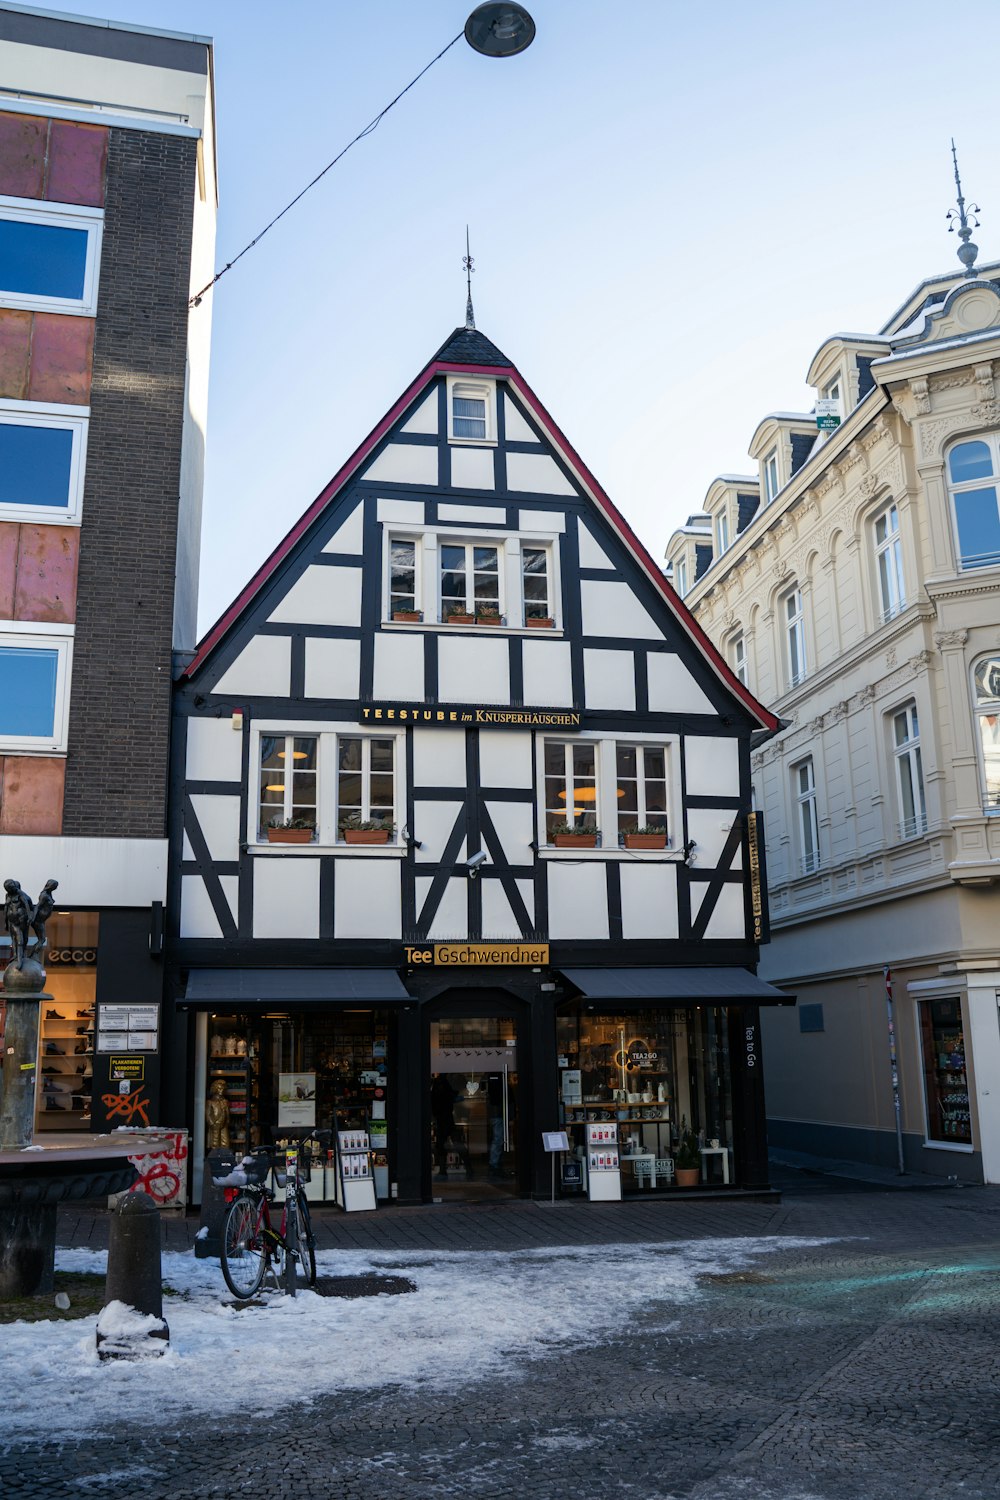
{"points": [[680, 576], [889, 562], [470, 579], [366, 790], [288, 781], [402, 576], [570, 786], [48, 256], [804, 787], [722, 532], [468, 412], [987, 689], [535, 582], [972, 470], [909, 772], [795, 636], [771, 476], [738, 657], [642, 788]]}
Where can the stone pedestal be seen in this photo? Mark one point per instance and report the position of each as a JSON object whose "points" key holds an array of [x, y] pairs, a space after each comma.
{"points": [[20, 1068], [27, 1250]]}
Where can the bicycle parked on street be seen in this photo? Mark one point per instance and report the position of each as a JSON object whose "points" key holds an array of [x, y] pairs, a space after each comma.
{"points": [[251, 1245]]}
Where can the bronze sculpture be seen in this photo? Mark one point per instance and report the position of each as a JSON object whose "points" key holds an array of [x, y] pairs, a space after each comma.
{"points": [[217, 1116]]}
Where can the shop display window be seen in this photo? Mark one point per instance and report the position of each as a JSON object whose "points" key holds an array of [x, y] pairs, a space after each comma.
{"points": [[658, 1076], [66, 1023], [946, 1084]]}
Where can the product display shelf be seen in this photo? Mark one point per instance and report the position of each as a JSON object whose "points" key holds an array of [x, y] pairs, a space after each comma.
{"points": [[71, 1082], [953, 1097], [355, 1179]]}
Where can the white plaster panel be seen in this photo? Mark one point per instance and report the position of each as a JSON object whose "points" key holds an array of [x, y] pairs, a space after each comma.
{"points": [[591, 554], [710, 831], [472, 668], [350, 535], [541, 520], [609, 679], [548, 679], [367, 899], [333, 668], [649, 900], [728, 920], [231, 890], [578, 900], [286, 897], [402, 463], [198, 919], [409, 512], [219, 819], [505, 758], [264, 667], [452, 919], [322, 596], [471, 469], [492, 514], [515, 829], [434, 822], [536, 474], [498, 919], [612, 609], [91, 872], [425, 418], [439, 757], [399, 666], [672, 689], [713, 766], [214, 750], [515, 426]]}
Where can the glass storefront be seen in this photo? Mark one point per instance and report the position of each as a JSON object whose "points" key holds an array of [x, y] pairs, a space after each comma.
{"points": [[660, 1080], [946, 1084], [66, 1023], [473, 1093]]}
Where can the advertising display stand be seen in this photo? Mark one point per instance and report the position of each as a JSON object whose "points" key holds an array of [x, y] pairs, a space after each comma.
{"points": [[355, 1182], [604, 1178]]}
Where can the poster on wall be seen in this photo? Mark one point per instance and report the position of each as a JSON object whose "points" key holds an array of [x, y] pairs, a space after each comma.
{"points": [[296, 1098]]}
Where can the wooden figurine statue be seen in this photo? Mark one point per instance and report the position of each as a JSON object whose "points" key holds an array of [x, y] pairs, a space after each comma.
{"points": [[217, 1116]]}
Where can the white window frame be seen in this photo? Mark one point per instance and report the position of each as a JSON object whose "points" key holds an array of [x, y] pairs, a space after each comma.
{"points": [[72, 419], [908, 760], [808, 817], [428, 541], [992, 441], [794, 629], [722, 531], [642, 813], [473, 390], [470, 543], [772, 483], [416, 542], [59, 216], [25, 635], [680, 573], [327, 788], [986, 708], [889, 551], [550, 600], [738, 659], [834, 391], [606, 804]]}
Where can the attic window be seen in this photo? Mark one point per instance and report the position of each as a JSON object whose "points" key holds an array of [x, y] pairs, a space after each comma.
{"points": [[771, 485], [470, 411]]}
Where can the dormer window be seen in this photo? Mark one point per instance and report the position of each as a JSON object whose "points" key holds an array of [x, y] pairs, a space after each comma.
{"points": [[771, 485], [722, 532], [681, 576], [470, 411]]}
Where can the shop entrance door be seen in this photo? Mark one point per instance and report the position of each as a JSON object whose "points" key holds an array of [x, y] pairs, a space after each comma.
{"points": [[473, 1091]]}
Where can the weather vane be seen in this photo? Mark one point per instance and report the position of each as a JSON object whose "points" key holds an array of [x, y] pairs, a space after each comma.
{"points": [[967, 251], [467, 262]]}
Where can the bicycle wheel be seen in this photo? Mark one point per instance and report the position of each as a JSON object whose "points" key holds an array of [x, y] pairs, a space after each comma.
{"points": [[244, 1251], [306, 1248]]}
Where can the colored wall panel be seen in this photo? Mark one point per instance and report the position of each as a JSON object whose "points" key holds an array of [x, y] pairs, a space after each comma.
{"points": [[78, 156], [22, 155], [31, 794], [15, 349], [8, 567], [62, 354], [47, 560]]}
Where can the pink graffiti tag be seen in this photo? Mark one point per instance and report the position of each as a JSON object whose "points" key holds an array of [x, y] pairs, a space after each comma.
{"points": [[156, 1170]]}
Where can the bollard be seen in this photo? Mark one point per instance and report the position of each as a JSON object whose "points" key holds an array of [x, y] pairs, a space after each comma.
{"points": [[131, 1324]]}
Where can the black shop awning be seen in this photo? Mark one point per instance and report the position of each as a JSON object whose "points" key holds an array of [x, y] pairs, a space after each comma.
{"points": [[676, 986], [250, 989]]}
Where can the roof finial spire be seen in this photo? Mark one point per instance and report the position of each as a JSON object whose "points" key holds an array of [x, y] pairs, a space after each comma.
{"points": [[967, 251], [467, 262]]}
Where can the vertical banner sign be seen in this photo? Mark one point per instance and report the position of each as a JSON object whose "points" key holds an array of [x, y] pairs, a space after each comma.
{"points": [[887, 975], [758, 878]]}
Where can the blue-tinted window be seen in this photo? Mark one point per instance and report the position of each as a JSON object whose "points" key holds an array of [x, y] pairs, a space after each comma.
{"points": [[970, 461], [811, 1018], [978, 527], [28, 691], [42, 260], [34, 464]]}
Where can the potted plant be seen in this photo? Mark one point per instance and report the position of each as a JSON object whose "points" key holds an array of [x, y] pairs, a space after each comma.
{"points": [[644, 836], [687, 1159], [408, 616], [488, 614], [367, 831], [540, 622], [291, 831], [568, 836], [459, 616]]}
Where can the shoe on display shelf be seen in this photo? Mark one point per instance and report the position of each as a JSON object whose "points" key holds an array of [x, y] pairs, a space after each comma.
{"points": [[51, 1050], [54, 1104], [53, 1015]]}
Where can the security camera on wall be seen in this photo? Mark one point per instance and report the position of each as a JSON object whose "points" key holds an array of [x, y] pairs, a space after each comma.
{"points": [[475, 863]]}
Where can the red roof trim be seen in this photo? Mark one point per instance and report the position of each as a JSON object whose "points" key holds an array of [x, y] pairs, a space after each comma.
{"points": [[494, 372]]}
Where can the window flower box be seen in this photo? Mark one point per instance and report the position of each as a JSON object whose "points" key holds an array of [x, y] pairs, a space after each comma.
{"points": [[489, 617], [460, 619], [540, 622], [574, 840], [280, 835], [408, 616], [644, 838], [373, 832]]}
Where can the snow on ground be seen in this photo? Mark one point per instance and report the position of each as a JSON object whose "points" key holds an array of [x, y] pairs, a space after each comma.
{"points": [[473, 1314]]}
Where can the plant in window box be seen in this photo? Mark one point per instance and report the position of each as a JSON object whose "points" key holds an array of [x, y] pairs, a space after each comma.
{"points": [[540, 622], [291, 831], [408, 616], [367, 831], [459, 617], [687, 1159], [644, 836], [488, 614], [568, 836]]}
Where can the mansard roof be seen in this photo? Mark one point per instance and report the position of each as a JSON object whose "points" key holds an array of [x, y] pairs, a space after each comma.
{"points": [[469, 352]]}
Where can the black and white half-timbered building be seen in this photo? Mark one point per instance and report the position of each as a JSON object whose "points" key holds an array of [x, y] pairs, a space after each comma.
{"points": [[463, 849]]}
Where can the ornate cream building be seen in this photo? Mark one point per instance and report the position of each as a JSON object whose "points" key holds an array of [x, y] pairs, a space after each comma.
{"points": [[855, 588]]}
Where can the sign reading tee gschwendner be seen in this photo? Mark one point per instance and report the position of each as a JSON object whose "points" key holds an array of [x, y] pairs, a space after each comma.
{"points": [[464, 713], [480, 955]]}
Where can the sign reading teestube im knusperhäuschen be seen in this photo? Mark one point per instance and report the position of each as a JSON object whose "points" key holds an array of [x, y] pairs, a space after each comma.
{"points": [[448, 715]]}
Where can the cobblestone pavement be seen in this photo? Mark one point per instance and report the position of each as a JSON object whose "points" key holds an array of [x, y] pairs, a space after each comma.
{"points": [[862, 1369]]}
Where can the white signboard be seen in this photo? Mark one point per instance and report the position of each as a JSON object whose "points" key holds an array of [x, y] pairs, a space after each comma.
{"points": [[555, 1140], [128, 1028], [296, 1098]]}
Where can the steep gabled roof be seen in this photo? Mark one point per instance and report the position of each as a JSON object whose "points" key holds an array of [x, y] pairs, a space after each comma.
{"points": [[468, 352]]}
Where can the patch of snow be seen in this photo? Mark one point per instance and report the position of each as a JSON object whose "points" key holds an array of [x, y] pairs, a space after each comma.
{"points": [[202, 1233], [117, 1320]]}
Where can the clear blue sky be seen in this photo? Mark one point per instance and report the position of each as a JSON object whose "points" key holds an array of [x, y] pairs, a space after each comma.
{"points": [[671, 206]]}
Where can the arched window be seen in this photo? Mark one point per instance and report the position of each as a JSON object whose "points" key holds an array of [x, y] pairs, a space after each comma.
{"points": [[973, 468], [986, 677]]}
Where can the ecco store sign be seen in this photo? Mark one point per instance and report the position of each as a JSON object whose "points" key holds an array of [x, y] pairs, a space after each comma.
{"points": [[480, 955]]}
